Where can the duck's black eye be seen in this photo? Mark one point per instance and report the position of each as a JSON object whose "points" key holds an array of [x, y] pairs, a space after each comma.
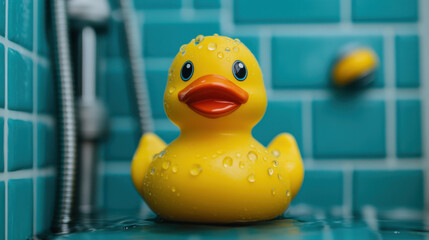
{"points": [[239, 70], [187, 71]]}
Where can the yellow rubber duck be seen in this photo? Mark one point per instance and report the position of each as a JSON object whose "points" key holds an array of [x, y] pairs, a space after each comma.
{"points": [[215, 171]]}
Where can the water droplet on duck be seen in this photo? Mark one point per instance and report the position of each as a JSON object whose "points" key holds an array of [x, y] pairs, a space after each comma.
{"points": [[279, 176], [215, 34], [200, 46], [152, 171], [252, 156], [273, 191], [251, 178], [154, 156], [237, 40], [238, 155], [161, 154], [235, 49], [199, 39], [173, 189], [252, 146], [212, 46], [270, 171], [227, 49], [287, 193], [183, 47], [220, 55], [276, 153], [275, 163], [166, 164], [195, 170], [174, 169], [228, 59], [183, 53], [214, 155], [227, 162], [171, 90], [241, 164]]}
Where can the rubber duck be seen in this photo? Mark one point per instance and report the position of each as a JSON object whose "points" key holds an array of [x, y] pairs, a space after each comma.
{"points": [[215, 171]]}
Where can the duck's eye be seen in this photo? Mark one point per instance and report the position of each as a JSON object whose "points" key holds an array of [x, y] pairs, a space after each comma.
{"points": [[239, 70], [187, 71]]}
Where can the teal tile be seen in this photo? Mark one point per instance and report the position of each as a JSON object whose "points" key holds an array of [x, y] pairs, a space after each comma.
{"points": [[2, 75], [20, 208], [252, 43], [384, 10], [2, 211], [46, 100], [19, 82], [119, 90], [408, 128], [158, 40], [407, 61], [2, 17], [306, 61], [45, 202], [119, 193], [46, 146], [280, 117], [157, 81], [206, 4], [322, 189], [1, 144], [42, 33], [122, 143], [149, 4], [20, 22], [20, 145], [116, 40], [286, 11], [387, 190], [349, 128], [167, 131]]}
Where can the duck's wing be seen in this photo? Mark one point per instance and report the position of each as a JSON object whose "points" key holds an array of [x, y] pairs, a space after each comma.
{"points": [[150, 144], [286, 150]]}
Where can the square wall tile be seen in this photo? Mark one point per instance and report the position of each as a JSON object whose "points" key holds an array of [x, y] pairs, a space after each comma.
{"points": [[352, 128], [46, 100], [45, 203], [2, 75], [119, 94], [408, 128], [252, 43], [119, 193], [206, 4], [2, 17], [1, 144], [306, 61], [384, 10], [387, 190], [20, 145], [47, 146], [150, 4], [19, 82], [20, 208], [286, 11], [323, 189], [407, 61], [2, 211], [42, 34], [280, 117], [122, 143], [157, 81], [20, 22], [159, 43]]}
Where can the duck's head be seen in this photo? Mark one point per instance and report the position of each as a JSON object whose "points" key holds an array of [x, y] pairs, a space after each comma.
{"points": [[215, 82]]}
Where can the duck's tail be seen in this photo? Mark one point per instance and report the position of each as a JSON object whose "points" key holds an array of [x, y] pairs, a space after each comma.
{"points": [[150, 144], [284, 147]]}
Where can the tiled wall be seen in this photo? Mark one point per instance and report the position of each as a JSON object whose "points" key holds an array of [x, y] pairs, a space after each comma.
{"points": [[363, 149], [27, 139]]}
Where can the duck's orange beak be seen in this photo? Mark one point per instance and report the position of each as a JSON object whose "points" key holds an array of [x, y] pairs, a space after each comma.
{"points": [[213, 96]]}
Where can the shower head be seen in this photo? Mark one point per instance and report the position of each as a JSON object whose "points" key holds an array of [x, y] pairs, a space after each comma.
{"points": [[89, 12]]}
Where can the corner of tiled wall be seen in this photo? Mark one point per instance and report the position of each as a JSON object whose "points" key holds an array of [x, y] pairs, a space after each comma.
{"points": [[358, 151], [27, 132]]}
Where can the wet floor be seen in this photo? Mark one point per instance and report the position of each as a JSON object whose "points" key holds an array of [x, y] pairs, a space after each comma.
{"points": [[282, 228]]}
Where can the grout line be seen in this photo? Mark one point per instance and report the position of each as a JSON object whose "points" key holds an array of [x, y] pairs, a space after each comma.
{"points": [[346, 13], [48, 120], [6, 130], [34, 114], [227, 26], [27, 173], [389, 75], [347, 191], [30, 54], [187, 11], [424, 80], [265, 58]]}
